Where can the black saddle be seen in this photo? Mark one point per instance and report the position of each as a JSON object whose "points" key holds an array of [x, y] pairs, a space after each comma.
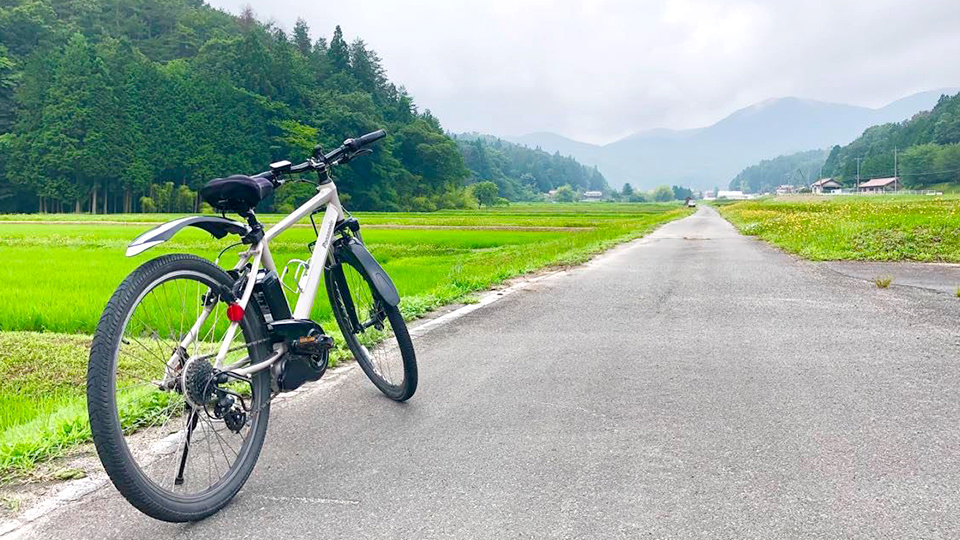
{"points": [[237, 193]]}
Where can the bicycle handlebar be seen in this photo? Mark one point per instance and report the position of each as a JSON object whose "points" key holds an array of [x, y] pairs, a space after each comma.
{"points": [[347, 151], [364, 140]]}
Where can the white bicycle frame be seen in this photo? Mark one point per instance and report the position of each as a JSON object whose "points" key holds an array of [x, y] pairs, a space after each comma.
{"points": [[259, 255]]}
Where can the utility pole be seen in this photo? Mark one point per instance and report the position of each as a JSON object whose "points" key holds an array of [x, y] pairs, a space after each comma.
{"points": [[859, 159], [896, 174]]}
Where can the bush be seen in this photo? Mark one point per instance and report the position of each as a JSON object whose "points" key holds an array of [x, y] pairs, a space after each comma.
{"points": [[565, 194], [663, 194], [421, 204], [147, 205], [456, 199]]}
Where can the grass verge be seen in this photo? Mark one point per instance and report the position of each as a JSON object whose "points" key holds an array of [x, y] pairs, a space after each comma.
{"points": [[875, 228]]}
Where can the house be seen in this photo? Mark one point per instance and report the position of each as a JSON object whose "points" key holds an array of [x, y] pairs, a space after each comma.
{"points": [[592, 195], [825, 185], [785, 190], [880, 185]]}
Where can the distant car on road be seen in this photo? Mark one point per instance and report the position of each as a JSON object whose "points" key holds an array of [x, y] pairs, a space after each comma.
{"points": [[691, 203]]}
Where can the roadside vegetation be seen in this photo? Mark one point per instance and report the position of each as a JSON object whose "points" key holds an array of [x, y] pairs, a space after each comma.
{"points": [[874, 228], [60, 270]]}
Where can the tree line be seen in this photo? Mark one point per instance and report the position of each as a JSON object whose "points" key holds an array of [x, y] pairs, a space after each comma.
{"points": [[799, 169], [923, 151], [524, 174], [132, 105]]}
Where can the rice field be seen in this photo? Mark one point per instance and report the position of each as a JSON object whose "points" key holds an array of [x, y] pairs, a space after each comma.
{"points": [[60, 270], [871, 228]]}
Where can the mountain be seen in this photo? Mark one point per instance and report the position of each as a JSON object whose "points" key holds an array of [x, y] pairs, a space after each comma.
{"points": [[924, 150], [521, 173], [794, 169], [551, 142], [705, 157], [132, 105]]}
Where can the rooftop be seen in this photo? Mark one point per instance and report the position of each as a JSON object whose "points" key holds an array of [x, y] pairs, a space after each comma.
{"points": [[879, 182]]}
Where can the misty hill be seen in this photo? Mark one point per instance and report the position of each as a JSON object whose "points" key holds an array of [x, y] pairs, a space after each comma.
{"points": [[523, 173], [927, 147], [710, 156], [800, 169]]}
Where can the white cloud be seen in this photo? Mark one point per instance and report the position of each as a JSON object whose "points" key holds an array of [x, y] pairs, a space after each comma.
{"points": [[598, 70]]}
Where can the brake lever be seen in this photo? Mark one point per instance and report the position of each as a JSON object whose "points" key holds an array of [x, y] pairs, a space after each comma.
{"points": [[349, 157]]}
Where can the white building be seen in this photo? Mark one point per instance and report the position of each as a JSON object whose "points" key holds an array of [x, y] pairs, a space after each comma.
{"points": [[825, 185], [880, 185], [733, 195]]}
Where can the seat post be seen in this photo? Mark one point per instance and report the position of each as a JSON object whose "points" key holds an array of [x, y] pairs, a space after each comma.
{"points": [[256, 229]]}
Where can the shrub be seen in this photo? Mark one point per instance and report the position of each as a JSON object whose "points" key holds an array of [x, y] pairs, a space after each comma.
{"points": [[147, 205]]}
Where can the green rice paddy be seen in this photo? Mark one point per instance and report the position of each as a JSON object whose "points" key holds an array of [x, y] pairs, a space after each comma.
{"points": [[59, 271]]}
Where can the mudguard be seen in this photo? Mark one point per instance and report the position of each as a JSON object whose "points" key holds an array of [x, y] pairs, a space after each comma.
{"points": [[354, 251], [217, 226]]}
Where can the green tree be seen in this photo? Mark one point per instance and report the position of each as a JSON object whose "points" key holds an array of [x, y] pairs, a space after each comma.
{"points": [[627, 190], [7, 85], [301, 37], [522, 173], [339, 52], [565, 194], [681, 193], [486, 193], [663, 194], [366, 68], [116, 99]]}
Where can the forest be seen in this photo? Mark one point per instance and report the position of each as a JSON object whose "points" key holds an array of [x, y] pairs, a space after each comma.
{"points": [[522, 173], [132, 105], [800, 169], [924, 150]]}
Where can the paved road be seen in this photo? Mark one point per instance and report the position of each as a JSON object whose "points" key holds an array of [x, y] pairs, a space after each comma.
{"points": [[696, 385], [944, 278]]}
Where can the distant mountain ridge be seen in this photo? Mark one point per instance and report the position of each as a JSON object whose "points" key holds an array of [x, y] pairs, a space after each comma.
{"points": [[712, 155]]}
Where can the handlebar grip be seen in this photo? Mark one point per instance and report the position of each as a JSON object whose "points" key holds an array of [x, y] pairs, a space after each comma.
{"points": [[372, 137], [358, 143]]}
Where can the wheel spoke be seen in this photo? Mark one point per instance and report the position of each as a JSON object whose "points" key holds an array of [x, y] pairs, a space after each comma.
{"points": [[196, 456], [374, 343]]}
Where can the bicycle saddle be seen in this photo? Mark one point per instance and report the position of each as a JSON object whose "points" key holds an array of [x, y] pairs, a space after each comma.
{"points": [[237, 193]]}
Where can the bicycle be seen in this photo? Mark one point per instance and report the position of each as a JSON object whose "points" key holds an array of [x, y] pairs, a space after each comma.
{"points": [[178, 397]]}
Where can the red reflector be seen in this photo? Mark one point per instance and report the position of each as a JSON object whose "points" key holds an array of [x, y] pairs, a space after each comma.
{"points": [[234, 312]]}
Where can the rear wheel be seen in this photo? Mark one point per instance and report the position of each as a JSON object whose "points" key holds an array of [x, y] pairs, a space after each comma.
{"points": [[167, 444], [375, 331]]}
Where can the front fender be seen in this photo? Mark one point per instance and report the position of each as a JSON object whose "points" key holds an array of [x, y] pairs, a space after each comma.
{"points": [[356, 252], [217, 226]]}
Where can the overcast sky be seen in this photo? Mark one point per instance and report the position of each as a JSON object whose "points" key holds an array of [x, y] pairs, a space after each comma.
{"points": [[599, 70]]}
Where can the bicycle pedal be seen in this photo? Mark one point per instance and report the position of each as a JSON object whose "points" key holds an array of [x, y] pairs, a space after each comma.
{"points": [[312, 345]]}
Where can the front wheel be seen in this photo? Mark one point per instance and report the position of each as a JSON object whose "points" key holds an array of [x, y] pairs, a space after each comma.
{"points": [[375, 331]]}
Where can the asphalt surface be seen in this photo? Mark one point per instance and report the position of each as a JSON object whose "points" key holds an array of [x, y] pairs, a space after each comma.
{"points": [[697, 384], [944, 278]]}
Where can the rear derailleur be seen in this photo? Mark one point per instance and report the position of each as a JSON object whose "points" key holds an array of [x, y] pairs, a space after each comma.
{"points": [[201, 384]]}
